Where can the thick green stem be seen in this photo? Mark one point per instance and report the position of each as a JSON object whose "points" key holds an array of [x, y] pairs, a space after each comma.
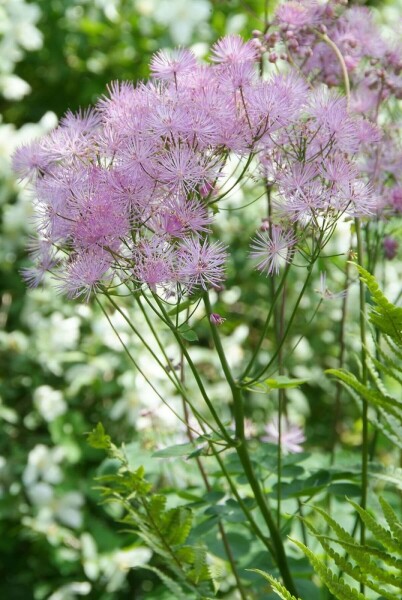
{"points": [[242, 452], [365, 448]]}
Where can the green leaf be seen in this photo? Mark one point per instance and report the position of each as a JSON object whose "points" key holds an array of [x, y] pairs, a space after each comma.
{"points": [[381, 534], [280, 382], [99, 439], [180, 307], [276, 586], [173, 586], [186, 449], [336, 586], [187, 333], [394, 523], [384, 315]]}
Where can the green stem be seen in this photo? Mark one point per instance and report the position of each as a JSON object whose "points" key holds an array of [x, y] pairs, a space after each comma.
{"points": [[363, 332], [173, 379], [242, 452], [194, 371], [208, 487], [265, 540], [289, 325], [267, 322], [132, 359]]}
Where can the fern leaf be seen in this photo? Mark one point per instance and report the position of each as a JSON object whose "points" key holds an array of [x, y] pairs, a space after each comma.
{"points": [[200, 569], [391, 405], [394, 523], [387, 366], [370, 573], [381, 534], [217, 572], [383, 556], [360, 571], [390, 428], [156, 507], [276, 586], [342, 534], [375, 375], [173, 586], [177, 525], [394, 349], [337, 586], [384, 315]]}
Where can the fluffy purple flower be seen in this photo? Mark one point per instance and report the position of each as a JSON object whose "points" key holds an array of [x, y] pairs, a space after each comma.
{"points": [[84, 274], [180, 217], [168, 65], [153, 263], [296, 14], [270, 252], [232, 49], [201, 264], [44, 257], [396, 199], [291, 436], [30, 160]]}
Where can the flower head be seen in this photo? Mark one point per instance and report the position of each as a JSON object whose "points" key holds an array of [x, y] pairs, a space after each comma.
{"points": [[201, 264], [232, 49], [271, 251], [290, 437]]}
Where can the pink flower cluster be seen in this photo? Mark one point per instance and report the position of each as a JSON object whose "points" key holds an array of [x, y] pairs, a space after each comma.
{"points": [[299, 35], [373, 61], [124, 191]]}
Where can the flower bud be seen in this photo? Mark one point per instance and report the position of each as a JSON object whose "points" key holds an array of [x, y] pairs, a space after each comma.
{"points": [[390, 247], [216, 319]]}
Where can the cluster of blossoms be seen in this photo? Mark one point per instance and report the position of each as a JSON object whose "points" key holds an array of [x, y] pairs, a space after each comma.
{"points": [[298, 33], [322, 41], [125, 192]]}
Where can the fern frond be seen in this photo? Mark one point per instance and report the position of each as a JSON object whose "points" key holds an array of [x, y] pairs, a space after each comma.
{"points": [[375, 376], [393, 347], [173, 586], [177, 525], [390, 427], [388, 403], [342, 534], [388, 366], [360, 571], [336, 585], [276, 585], [381, 534], [394, 523], [386, 317]]}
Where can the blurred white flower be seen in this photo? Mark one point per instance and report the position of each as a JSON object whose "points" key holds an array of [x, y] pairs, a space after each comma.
{"points": [[53, 337], [13, 87], [43, 464], [71, 591], [49, 402], [18, 33], [114, 565], [181, 17], [64, 507], [292, 436]]}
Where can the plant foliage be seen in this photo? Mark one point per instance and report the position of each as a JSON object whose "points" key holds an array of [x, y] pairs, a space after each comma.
{"points": [[377, 565], [382, 364], [181, 567]]}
